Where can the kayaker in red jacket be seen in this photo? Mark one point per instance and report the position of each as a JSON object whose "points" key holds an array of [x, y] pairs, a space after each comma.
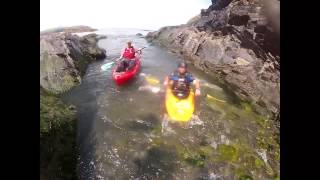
{"points": [[128, 54]]}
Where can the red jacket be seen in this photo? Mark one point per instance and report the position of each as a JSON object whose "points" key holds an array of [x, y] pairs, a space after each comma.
{"points": [[129, 53]]}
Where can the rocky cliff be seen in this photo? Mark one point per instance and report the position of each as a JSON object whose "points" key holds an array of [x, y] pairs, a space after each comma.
{"points": [[237, 41], [58, 149], [64, 58]]}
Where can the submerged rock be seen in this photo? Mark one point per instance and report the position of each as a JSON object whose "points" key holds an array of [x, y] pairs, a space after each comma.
{"points": [[233, 40], [64, 58]]}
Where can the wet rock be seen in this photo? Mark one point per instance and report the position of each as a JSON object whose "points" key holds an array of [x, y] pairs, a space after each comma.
{"points": [[240, 61], [58, 152], [64, 58], [219, 4], [90, 48], [239, 20], [225, 71]]}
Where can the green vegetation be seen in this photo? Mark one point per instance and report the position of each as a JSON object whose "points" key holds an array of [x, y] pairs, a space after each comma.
{"points": [[194, 159], [228, 153], [245, 177], [258, 163], [58, 152]]}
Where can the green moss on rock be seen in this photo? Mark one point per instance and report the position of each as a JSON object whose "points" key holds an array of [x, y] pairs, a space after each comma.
{"points": [[245, 177], [242, 174], [246, 106], [258, 163], [228, 153], [194, 159], [58, 152]]}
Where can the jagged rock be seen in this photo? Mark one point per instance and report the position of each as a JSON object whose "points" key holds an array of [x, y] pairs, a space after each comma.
{"points": [[63, 59], [240, 61], [235, 39], [225, 71]]}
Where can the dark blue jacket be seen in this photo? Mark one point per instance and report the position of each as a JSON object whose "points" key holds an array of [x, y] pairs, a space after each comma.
{"points": [[186, 78]]}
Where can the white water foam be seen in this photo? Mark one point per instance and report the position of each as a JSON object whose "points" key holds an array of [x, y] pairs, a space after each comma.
{"points": [[153, 89], [195, 120]]}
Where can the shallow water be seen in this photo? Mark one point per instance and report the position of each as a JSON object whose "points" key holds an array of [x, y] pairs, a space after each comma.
{"points": [[120, 133]]}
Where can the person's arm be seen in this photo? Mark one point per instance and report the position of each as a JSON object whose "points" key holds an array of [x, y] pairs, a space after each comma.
{"points": [[135, 51], [197, 86], [166, 81], [140, 50], [122, 52], [196, 83]]}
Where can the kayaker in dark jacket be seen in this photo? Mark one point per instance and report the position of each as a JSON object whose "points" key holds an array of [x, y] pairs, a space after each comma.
{"points": [[180, 81], [128, 54]]}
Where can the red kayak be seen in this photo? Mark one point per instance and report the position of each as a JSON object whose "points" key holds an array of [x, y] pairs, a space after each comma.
{"points": [[121, 78]]}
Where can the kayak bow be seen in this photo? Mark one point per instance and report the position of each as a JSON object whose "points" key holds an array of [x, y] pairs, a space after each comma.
{"points": [[180, 110], [121, 78]]}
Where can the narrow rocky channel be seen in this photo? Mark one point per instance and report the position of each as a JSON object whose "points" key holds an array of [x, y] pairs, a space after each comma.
{"points": [[119, 132]]}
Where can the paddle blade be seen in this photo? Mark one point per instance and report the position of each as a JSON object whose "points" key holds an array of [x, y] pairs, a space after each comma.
{"points": [[212, 86], [211, 97], [152, 80], [106, 66]]}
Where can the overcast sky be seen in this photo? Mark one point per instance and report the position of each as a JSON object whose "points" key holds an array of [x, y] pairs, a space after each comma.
{"points": [[145, 14]]}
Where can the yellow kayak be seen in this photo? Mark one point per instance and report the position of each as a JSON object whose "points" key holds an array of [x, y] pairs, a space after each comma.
{"points": [[179, 110]]}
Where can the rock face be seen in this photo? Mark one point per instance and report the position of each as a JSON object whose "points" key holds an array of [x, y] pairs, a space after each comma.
{"points": [[64, 58], [58, 147], [234, 40]]}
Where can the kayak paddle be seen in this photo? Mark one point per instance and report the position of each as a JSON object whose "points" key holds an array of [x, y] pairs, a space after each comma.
{"points": [[140, 49], [152, 80], [214, 98], [108, 65], [155, 81]]}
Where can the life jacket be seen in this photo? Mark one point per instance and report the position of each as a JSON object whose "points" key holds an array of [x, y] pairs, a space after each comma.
{"points": [[129, 53], [181, 85]]}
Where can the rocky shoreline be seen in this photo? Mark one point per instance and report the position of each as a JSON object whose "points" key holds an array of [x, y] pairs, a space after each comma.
{"points": [[64, 58], [234, 41], [72, 29]]}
